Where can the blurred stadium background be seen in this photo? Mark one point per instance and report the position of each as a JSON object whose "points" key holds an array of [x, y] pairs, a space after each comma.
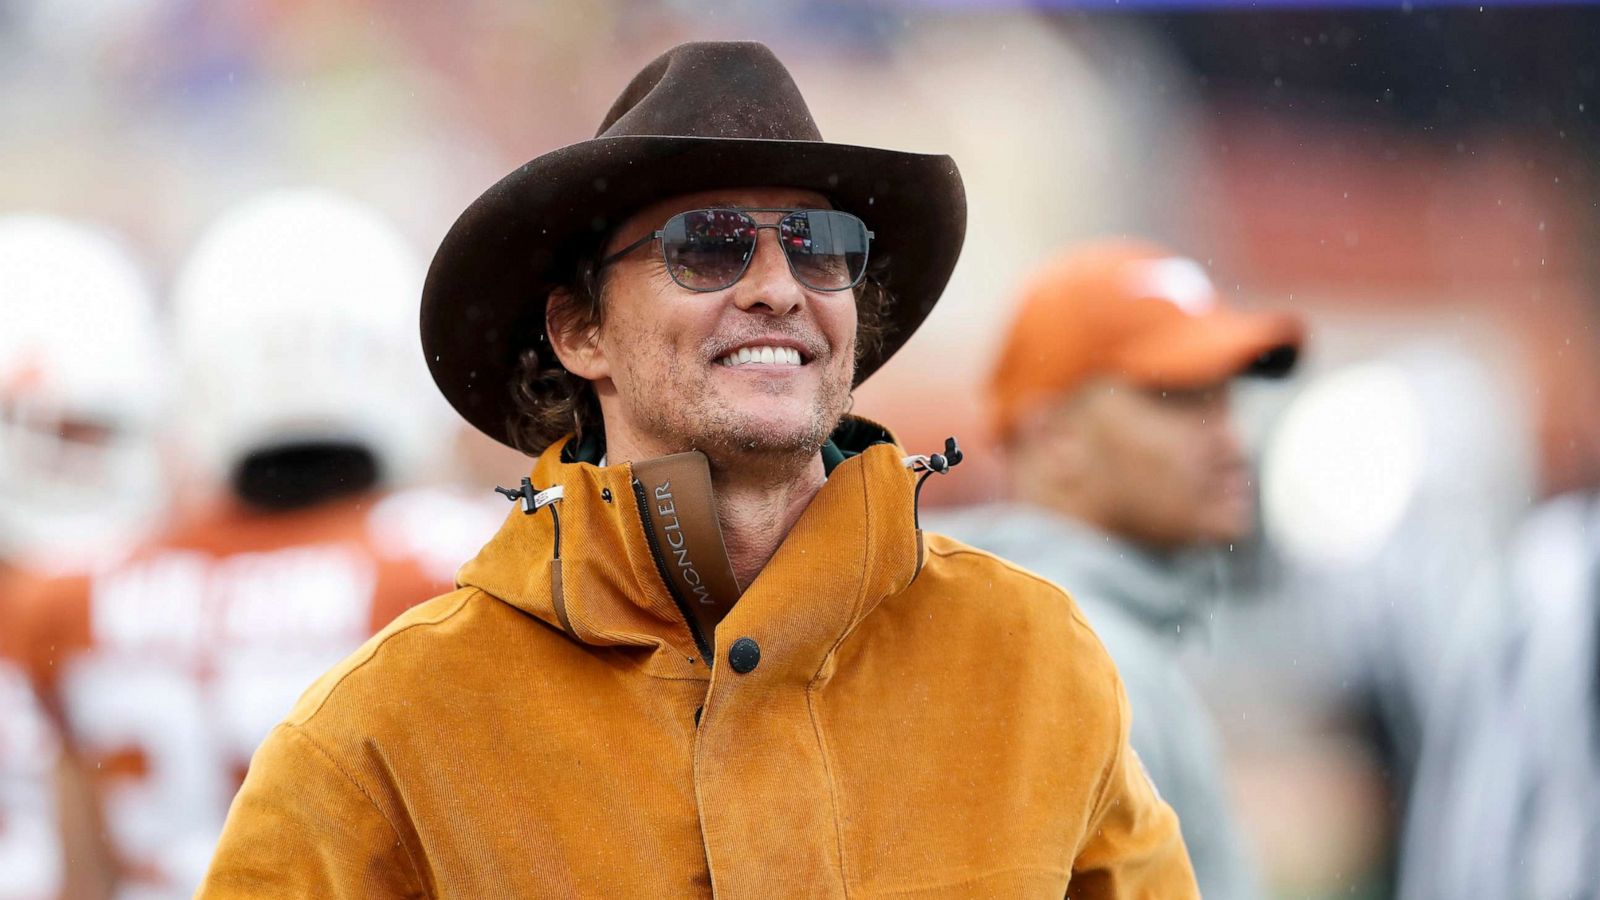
{"points": [[1420, 180]]}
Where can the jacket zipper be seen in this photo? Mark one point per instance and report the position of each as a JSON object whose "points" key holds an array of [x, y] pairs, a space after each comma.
{"points": [[700, 641]]}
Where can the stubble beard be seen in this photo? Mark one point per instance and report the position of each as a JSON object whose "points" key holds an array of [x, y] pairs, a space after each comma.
{"points": [[730, 440]]}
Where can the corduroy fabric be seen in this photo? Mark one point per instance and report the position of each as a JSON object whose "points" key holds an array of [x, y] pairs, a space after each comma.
{"points": [[957, 732]]}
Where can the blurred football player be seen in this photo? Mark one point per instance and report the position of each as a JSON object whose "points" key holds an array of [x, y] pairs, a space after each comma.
{"points": [[1111, 397], [302, 400], [81, 391]]}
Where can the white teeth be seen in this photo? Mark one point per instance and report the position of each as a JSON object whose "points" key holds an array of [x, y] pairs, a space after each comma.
{"points": [[767, 356]]}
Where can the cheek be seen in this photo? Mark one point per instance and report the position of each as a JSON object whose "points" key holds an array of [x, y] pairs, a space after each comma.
{"points": [[839, 327], [640, 337], [838, 323], [1148, 458]]}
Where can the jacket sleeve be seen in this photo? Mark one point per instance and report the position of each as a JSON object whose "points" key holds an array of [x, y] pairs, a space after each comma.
{"points": [[1134, 849], [302, 827]]}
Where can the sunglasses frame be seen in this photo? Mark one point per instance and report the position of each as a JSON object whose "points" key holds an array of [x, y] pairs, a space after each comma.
{"points": [[775, 226]]}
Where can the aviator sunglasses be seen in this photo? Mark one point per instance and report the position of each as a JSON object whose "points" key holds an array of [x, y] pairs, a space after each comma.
{"points": [[710, 249]]}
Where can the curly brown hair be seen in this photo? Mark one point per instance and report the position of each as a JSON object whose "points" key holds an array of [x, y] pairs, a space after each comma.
{"points": [[550, 402]]}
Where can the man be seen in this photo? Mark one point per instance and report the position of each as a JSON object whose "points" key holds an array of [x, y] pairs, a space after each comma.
{"points": [[80, 481], [709, 652], [1110, 395], [165, 670]]}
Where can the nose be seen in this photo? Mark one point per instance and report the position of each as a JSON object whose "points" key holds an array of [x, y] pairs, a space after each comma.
{"points": [[768, 286]]}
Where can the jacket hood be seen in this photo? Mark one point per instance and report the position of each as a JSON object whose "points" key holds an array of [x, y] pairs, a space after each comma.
{"points": [[601, 577]]}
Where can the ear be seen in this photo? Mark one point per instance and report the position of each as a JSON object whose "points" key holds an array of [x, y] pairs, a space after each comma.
{"points": [[1055, 435], [578, 347]]}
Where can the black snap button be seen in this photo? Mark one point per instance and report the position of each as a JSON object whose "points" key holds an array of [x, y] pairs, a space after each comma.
{"points": [[744, 655]]}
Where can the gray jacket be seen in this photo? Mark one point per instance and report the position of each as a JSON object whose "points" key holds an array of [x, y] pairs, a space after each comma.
{"points": [[1142, 606]]}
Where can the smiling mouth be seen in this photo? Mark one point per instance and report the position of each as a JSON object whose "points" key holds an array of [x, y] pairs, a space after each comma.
{"points": [[762, 356]]}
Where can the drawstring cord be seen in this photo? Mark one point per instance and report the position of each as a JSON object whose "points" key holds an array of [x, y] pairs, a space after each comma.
{"points": [[930, 465], [533, 501]]}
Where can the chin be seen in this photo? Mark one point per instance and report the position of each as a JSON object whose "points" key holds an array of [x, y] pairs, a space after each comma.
{"points": [[771, 431], [1224, 533], [786, 437]]}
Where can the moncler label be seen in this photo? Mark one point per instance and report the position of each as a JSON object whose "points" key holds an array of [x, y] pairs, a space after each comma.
{"points": [[680, 515]]}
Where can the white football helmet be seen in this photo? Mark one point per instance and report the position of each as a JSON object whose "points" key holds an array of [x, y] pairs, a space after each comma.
{"points": [[296, 323], [82, 390]]}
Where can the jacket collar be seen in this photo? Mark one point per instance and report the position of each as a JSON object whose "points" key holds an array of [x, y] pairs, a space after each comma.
{"points": [[855, 544]]}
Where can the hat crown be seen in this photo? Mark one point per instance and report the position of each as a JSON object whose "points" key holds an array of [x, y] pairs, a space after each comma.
{"points": [[713, 89]]}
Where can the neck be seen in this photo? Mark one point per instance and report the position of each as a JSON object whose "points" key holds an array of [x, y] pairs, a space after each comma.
{"points": [[757, 507], [758, 497], [1064, 501], [1096, 516], [1045, 492]]}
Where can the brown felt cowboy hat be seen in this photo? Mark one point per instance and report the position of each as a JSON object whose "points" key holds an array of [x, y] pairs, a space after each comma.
{"points": [[701, 116]]}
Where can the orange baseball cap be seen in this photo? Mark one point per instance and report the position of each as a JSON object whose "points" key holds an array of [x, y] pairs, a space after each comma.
{"points": [[1134, 310]]}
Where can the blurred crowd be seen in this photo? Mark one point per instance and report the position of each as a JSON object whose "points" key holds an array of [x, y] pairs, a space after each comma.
{"points": [[1374, 673]]}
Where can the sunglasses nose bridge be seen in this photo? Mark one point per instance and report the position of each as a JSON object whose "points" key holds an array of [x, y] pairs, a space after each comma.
{"points": [[770, 250], [769, 279]]}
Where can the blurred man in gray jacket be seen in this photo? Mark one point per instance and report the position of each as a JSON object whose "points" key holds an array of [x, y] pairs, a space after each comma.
{"points": [[1111, 398]]}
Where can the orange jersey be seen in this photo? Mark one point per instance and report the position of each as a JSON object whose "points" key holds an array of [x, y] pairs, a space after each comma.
{"points": [[30, 851], [167, 670]]}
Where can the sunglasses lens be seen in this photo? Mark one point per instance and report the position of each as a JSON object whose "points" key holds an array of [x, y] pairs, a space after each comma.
{"points": [[707, 249], [827, 249]]}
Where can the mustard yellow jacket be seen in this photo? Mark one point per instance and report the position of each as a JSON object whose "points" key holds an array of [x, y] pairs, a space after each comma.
{"points": [[924, 720]]}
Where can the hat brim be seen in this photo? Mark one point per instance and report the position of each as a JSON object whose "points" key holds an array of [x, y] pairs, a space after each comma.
{"points": [[483, 301], [1211, 349]]}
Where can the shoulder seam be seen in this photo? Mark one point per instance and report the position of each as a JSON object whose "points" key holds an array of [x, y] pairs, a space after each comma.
{"points": [[416, 872], [373, 652], [1058, 590], [984, 554], [1052, 586]]}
